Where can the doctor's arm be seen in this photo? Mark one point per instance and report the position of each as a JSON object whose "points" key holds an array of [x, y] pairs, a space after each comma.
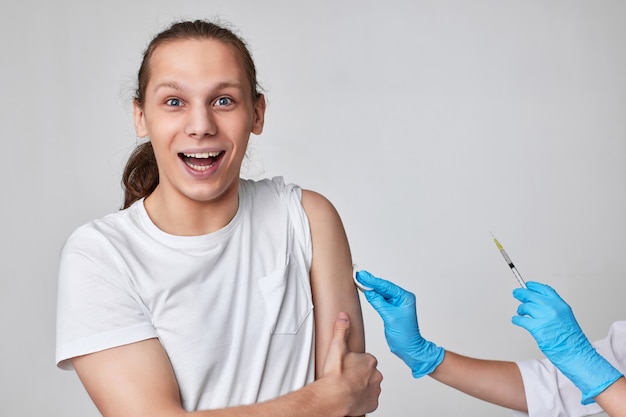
{"points": [[613, 399], [498, 382]]}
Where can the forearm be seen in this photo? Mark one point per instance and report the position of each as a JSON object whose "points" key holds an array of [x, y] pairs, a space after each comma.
{"points": [[137, 380], [498, 382], [322, 398], [613, 399], [314, 400]]}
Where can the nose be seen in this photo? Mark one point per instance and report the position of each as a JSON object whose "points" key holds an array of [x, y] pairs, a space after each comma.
{"points": [[200, 123]]}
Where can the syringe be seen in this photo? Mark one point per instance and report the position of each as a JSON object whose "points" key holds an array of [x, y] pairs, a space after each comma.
{"points": [[508, 260]]}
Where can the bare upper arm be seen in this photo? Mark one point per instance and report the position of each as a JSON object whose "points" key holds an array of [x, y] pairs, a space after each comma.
{"points": [[331, 277], [131, 380]]}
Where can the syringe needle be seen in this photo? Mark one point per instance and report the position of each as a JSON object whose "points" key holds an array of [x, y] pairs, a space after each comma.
{"points": [[508, 260]]}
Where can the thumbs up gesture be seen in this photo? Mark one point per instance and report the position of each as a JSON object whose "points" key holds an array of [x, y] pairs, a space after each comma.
{"points": [[352, 378]]}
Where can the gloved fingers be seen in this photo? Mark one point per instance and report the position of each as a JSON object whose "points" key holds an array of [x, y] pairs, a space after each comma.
{"points": [[369, 280], [393, 293], [537, 311], [545, 296], [526, 295], [537, 293], [549, 294], [382, 306], [379, 285], [521, 294], [376, 300], [396, 318], [541, 288], [552, 298], [521, 321], [528, 323], [533, 291]]}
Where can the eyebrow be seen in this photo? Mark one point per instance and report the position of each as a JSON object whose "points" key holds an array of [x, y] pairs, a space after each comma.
{"points": [[180, 87], [169, 84]]}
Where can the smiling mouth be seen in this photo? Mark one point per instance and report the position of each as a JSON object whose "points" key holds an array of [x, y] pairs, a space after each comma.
{"points": [[200, 161]]}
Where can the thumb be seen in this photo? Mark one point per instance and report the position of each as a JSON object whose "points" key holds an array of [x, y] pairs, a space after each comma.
{"points": [[338, 345]]}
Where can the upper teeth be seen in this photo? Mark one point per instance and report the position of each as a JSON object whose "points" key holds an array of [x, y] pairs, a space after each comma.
{"points": [[202, 155]]}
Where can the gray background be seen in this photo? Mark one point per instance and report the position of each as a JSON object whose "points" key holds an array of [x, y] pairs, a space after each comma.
{"points": [[429, 124]]}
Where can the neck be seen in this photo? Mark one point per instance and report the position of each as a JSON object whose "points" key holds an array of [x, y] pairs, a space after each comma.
{"points": [[181, 216]]}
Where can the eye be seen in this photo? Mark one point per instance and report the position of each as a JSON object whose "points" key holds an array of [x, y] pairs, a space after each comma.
{"points": [[174, 102], [223, 101]]}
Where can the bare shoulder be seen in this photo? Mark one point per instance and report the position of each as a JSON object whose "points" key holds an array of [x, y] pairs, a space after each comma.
{"points": [[330, 244], [318, 207]]}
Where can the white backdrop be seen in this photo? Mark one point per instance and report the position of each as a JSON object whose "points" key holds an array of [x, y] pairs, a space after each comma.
{"points": [[427, 123]]}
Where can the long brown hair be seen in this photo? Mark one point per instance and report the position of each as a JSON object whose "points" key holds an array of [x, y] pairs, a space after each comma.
{"points": [[141, 175]]}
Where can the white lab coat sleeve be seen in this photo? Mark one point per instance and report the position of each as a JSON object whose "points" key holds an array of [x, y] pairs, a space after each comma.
{"points": [[550, 394]]}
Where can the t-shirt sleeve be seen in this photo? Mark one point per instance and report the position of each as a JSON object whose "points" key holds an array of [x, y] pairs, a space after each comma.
{"points": [[96, 308], [550, 394], [291, 194]]}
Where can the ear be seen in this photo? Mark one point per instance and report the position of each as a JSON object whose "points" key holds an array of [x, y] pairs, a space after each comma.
{"points": [[259, 115], [139, 118]]}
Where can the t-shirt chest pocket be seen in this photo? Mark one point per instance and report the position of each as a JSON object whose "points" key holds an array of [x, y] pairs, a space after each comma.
{"points": [[287, 296]]}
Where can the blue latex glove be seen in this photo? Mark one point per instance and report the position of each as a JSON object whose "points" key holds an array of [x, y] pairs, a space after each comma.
{"points": [[397, 309], [550, 320]]}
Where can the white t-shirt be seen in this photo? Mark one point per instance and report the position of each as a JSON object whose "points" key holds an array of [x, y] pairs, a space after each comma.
{"points": [[550, 394], [233, 309]]}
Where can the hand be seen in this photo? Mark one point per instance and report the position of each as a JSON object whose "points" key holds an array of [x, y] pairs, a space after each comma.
{"points": [[396, 307], [550, 320], [353, 376]]}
